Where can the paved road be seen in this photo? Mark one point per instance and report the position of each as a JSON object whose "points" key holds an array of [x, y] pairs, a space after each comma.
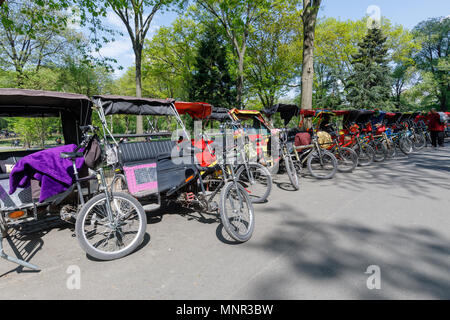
{"points": [[312, 244]]}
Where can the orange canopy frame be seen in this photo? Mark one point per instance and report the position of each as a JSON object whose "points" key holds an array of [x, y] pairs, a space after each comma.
{"points": [[197, 110]]}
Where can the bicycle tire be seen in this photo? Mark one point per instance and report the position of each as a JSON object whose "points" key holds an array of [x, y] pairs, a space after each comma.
{"points": [[347, 159], [227, 222], [243, 178], [81, 223], [365, 156], [291, 171], [326, 155]]}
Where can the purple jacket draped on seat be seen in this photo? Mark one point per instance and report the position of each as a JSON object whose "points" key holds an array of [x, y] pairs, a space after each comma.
{"points": [[54, 174]]}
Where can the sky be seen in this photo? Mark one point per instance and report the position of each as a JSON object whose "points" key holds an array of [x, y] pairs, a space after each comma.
{"points": [[406, 12]]}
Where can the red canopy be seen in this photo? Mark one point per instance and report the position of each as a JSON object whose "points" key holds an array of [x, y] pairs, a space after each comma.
{"points": [[197, 110], [308, 112], [340, 112]]}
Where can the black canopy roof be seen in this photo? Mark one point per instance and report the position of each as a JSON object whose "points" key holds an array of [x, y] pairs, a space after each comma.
{"points": [[74, 109], [220, 114], [286, 111], [358, 116], [136, 106]]}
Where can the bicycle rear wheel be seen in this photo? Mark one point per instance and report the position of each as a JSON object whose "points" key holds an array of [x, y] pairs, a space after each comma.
{"points": [[323, 167], [260, 186], [236, 212]]}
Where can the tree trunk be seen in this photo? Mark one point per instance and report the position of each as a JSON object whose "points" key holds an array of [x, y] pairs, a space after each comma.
{"points": [[138, 78], [240, 82], [310, 11]]}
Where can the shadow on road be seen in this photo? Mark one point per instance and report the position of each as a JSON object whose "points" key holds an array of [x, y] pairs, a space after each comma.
{"points": [[417, 261]]}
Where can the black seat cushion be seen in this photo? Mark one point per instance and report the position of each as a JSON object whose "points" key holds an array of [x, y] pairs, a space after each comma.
{"points": [[142, 151]]}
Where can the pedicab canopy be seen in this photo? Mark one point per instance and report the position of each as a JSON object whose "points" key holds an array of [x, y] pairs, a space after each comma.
{"points": [[220, 114], [286, 111], [135, 106], [358, 116], [197, 110], [392, 117], [74, 109]]}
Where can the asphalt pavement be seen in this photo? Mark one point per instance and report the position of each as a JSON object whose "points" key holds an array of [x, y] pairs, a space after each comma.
{"points": [[391, 220]]}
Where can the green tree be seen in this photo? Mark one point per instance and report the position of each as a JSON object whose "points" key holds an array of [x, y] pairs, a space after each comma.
{"points": [[236, 18], [137, 16], [273, 62], [168, 59], [369, 86], [211, 80], [433, 59]]}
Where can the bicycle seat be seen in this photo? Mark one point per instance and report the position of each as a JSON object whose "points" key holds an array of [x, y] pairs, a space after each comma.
{"points": [[71, 155]]}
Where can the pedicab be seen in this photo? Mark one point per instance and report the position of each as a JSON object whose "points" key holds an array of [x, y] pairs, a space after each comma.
{"points": [[413, 133], [255, 178], [354, 126], [40, 188], [333, 140], [308, 151], [395, 135], [167, 171], [286, 112], [260, 133]]}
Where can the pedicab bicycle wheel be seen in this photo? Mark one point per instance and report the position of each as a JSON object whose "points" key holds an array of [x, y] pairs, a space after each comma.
{"points": [[380, 151], [108, 238], [347, 159], [291, 171], [366, 155], [236, 212], [324, 167], [418, 141], [259, 185], [405, 145]]}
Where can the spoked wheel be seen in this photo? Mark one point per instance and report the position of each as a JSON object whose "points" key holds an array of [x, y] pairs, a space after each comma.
{"points": [[380, 151], [257, 181], [347, 159], [390, 149], [418, 141], [324, 167], [405, 145], [109, 238], [236, 212], [366, 155], [291, 171]]}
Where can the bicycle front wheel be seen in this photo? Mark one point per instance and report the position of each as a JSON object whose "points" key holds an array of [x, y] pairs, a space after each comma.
{"points": [[256, 180], [291, 171], [322, 167], [366, 155], [109, 236], [236, 212], [380, 151], [405, 145], [418, 141], [347, 159]]}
